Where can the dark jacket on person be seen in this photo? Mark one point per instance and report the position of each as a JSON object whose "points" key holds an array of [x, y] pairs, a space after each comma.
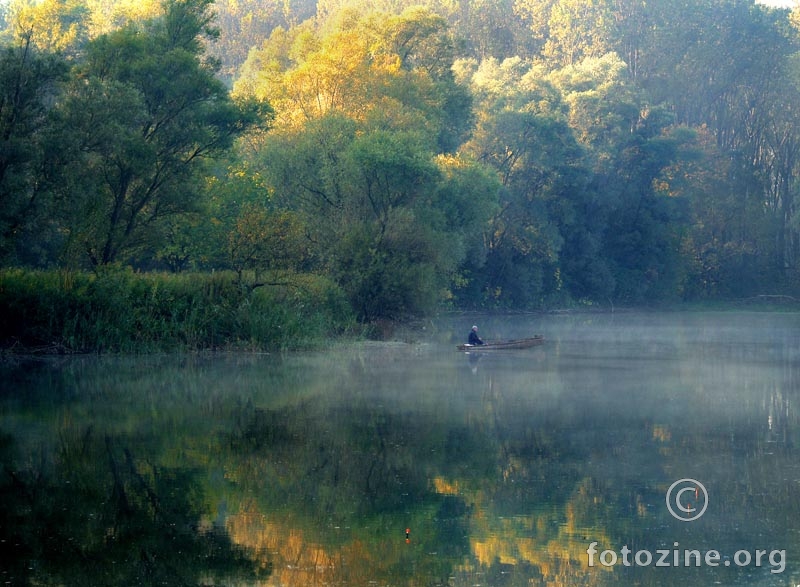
{"points": [[474, 338]]}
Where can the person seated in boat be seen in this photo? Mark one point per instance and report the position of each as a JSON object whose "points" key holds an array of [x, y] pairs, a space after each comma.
{"points": [[473, 336]]}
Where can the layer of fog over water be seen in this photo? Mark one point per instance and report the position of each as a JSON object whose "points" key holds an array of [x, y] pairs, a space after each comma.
{"points": [[411, 463]]}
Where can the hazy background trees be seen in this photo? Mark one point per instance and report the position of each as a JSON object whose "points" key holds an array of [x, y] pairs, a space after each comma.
{"points": [[483, 154]]}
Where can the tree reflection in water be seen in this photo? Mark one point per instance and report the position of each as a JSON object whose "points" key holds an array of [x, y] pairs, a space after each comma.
{"points": [[92, 513], [308, 469]]}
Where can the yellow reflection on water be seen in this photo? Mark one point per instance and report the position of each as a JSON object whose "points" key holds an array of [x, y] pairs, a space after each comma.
{"points": [[295, 560]]}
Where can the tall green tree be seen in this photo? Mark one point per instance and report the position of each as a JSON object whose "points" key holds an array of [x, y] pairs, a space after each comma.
{"points": [[726, 231], [424, 44], [142, 111], [365, 195], [524, 135], [630, 146]]}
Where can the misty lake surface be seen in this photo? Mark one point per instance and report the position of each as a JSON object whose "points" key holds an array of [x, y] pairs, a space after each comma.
{"points": [[409, 463]]}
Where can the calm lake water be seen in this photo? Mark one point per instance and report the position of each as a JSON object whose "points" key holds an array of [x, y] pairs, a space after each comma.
{"points": [[413, 464]]}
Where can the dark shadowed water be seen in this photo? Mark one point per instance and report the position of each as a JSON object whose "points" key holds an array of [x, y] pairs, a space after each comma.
{"points": [[413, 464]]}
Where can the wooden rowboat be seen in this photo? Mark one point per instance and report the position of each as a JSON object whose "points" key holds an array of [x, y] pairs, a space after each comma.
{"points": [[522, 343]]}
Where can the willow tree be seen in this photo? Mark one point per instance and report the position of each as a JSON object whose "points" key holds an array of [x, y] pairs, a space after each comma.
{"points": [[523, 133], [631, 143], [142, 111]]}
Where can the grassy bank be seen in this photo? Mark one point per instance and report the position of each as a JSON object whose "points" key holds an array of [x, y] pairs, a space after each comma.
{"points": [[122, 311]]}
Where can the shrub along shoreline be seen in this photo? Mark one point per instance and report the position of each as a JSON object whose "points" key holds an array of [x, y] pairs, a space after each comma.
{"points": [[122, 311]]}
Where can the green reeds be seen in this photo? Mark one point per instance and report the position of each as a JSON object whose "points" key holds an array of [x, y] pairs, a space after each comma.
{"points": [[118, 310]]}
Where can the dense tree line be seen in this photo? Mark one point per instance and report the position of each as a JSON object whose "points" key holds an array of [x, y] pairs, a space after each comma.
{"points": [[482, 154]]}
